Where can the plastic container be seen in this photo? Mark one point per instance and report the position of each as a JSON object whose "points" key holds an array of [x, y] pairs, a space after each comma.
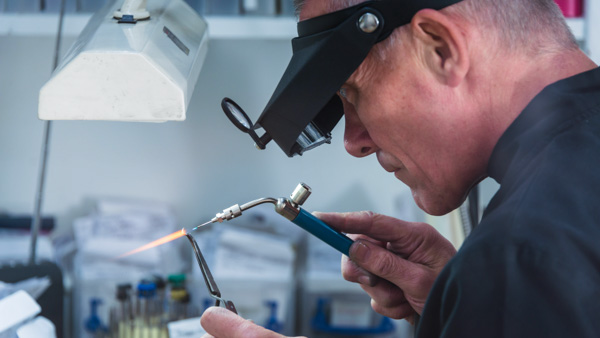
{"points": [[94, 324], [123, 311], [176, 280], [267, 302], [571, 8], [146, 311], [178, 304], [333, 307], [162, 309]]}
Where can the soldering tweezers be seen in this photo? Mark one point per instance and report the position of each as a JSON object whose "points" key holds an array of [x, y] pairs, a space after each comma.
{"points": [[213, 289]]}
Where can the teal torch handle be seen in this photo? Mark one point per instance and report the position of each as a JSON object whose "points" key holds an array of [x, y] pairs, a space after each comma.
{"points": [[324, 232]]}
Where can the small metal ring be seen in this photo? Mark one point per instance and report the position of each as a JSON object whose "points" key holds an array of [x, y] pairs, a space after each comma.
{"points": [[368, 22]]}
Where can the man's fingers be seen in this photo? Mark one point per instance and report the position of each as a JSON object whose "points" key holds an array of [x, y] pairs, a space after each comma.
{"points": [[221, 322], [356, 237], [386, 294], [384, 263], [389, 298], [397, 312], [354, 273], [376, 226]]}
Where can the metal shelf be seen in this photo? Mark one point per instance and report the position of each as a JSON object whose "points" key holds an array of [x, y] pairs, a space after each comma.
{"points": [[224, 27], [251, 27], [231, 27], [220, 27]]}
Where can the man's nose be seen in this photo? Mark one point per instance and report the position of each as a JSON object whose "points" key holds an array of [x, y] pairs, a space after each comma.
{"points": [[357, 140]]}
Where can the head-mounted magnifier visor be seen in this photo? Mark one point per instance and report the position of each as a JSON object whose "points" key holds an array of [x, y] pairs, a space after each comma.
{"points": [[304, 108]]}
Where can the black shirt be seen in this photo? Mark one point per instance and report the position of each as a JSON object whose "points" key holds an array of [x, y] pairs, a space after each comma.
{"points": [[532, 266]]}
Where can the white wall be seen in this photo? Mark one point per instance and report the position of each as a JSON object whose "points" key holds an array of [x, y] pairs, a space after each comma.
{"points": [[199, 166]]}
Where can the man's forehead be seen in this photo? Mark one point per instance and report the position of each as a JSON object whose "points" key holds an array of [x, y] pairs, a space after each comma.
{"points": [[314, 8]]}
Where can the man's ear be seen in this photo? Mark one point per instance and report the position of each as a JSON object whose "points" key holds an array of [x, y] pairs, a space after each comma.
{"points": [[443, 47]]}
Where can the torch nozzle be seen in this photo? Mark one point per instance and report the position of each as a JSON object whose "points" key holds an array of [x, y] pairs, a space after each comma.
{"points": [[235, 211]]}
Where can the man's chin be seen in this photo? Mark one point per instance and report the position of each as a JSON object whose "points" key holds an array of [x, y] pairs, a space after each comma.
{"points": [[435, 206]]}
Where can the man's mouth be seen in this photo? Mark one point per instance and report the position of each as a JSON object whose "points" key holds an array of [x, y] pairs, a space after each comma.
{"points": [[388, 163]]}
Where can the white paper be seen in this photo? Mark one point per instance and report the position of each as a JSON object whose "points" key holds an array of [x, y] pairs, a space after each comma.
{"points": [[246, 254], [17, 308], [40, 327], [119, 206], [186, 328], [16, 248], [350, 314], [34, 286], [110, 248]]}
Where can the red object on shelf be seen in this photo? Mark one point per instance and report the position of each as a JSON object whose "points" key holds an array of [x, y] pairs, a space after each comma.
{"points": [[571, 8]]}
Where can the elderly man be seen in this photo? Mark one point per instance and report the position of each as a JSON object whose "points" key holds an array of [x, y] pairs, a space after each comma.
{"points": [[478, 88]]}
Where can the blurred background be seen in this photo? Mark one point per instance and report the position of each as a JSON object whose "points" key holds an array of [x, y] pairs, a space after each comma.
{"points": [[113, 186]]}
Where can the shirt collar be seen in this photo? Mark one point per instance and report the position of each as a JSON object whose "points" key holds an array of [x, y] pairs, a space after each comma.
{"points": [[556, 104]]}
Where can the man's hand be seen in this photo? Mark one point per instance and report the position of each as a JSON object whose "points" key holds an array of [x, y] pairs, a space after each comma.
{"points": [[220, 322], [394, 261]]}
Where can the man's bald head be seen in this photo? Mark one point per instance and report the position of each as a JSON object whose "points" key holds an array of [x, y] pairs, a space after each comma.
{"points": [[531, 26]]}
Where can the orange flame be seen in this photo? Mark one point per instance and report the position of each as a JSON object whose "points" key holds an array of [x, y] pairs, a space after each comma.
{"points": [[153, 244]]}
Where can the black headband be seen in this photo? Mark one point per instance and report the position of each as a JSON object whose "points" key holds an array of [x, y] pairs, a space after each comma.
{"points": [[304, 107]]}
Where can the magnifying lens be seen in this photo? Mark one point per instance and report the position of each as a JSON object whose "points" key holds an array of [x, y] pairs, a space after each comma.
{"points": [[240, 119], [304, 107]]}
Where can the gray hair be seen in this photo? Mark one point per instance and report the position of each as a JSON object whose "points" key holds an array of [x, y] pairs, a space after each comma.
{"points": [[533, 26]]}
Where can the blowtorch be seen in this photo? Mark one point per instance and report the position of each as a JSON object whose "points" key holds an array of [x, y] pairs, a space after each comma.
{"points": [[290, 209]]}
